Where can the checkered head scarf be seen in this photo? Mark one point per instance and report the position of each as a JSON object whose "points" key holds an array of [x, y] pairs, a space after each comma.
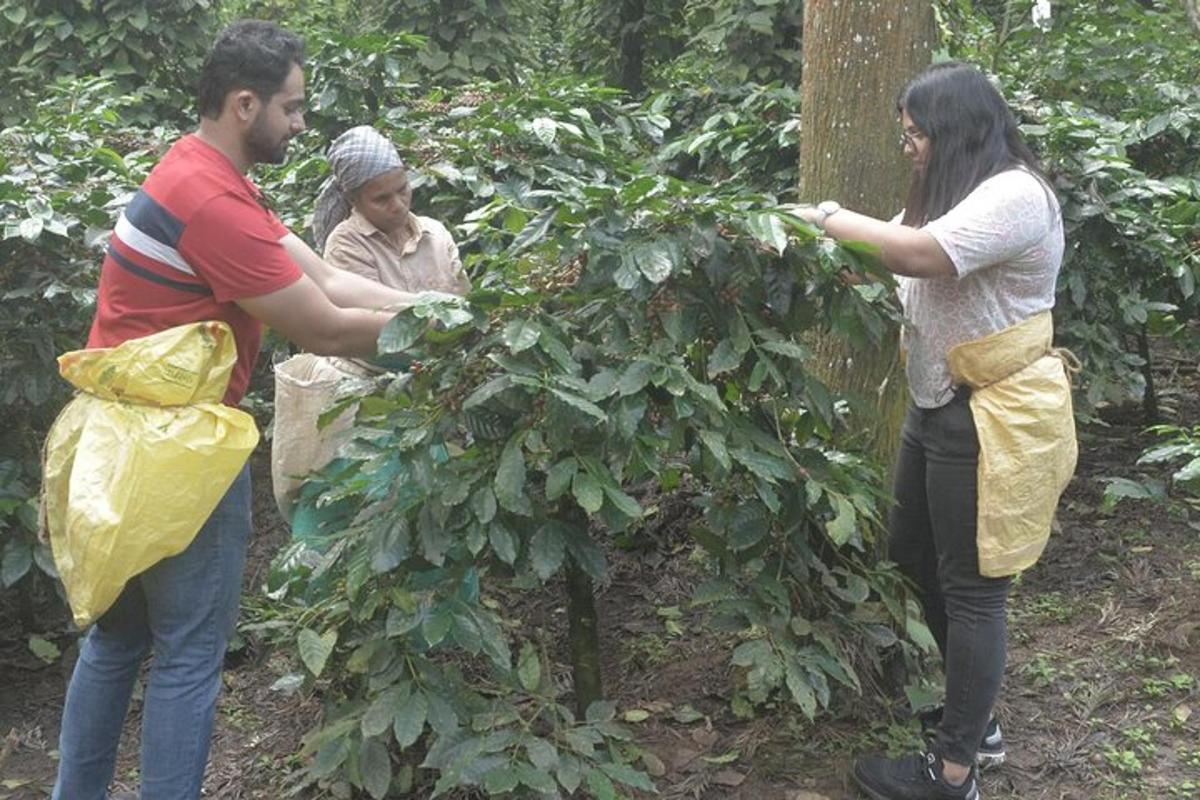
{"points": [[355, 157]]}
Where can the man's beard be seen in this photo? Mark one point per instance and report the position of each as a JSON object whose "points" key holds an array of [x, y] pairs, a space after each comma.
{"points": [[262, 146]]}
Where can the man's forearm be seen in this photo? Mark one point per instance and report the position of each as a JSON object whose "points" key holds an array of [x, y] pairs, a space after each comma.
{"points": [[304, 314], [357, 336]]}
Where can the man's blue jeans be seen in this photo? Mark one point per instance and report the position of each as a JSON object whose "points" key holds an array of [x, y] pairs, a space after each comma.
{"points": [[182, 608]]}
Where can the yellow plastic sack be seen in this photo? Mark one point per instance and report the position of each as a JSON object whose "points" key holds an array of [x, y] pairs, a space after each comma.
{"points": [[135, 463], [1021, 401]]}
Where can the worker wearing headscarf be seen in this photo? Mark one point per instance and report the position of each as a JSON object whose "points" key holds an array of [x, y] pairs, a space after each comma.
{"points": [[363, 221]]}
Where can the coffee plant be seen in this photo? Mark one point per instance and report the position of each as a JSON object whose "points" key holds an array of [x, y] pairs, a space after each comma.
{"points": [[156, 46], [750, 40], [634, 335]]}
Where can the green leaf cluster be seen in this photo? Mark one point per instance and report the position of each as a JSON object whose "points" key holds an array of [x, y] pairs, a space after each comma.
{"points": [[155, 47], [1180, 447], [632, 334], [64, 174]]}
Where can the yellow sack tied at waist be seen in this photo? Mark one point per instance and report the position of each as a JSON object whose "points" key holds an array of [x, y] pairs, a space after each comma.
{"points": [[135, 463], [1021, 401]]}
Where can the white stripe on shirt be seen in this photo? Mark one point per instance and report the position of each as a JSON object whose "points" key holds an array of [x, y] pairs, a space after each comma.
{"points": [[141, 243]]}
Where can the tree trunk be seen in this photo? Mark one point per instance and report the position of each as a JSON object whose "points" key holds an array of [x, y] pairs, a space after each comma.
{"points": [[632, 46], [857, 58], [1192, 7], [583, 625], [584, 634], [1150, 396]]}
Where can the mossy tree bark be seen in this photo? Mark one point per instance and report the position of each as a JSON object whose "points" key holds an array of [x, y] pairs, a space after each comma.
{"points": [[1192, 7], [857, 57], [632, 46], [584, 635], [583, 630]]}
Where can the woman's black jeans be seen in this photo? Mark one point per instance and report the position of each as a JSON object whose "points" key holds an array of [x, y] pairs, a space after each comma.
{"points": [[933, 540]]}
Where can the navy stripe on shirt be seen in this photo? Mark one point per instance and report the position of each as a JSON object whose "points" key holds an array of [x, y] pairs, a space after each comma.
{"points": [[149, 217], [142, 272]]}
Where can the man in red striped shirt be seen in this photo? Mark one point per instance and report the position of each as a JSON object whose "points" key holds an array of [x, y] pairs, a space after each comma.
{"points": [[198, 242]]}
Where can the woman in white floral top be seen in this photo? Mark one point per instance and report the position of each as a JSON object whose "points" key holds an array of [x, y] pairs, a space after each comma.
{"points": [[977, 250]]}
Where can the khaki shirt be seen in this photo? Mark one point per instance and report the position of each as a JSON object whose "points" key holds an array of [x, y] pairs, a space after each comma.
{"points": [[428, 259]]}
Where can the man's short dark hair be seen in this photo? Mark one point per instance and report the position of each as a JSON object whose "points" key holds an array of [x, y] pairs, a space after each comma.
{"points": [[250, 54]]}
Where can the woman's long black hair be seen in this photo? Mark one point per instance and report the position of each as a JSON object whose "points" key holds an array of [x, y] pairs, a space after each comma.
{"points": [[972, 136]]}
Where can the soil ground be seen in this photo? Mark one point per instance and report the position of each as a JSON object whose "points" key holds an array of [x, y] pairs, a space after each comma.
{"points": [[1101, 698]]}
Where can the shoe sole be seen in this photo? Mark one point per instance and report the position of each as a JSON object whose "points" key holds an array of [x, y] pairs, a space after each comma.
{"points": [[875, 795], [867, 790]]}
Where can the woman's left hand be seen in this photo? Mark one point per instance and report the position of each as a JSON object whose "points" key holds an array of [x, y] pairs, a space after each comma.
{"points": [[810, 214]]}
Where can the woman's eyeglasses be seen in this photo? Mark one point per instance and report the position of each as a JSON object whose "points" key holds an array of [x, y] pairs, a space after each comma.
{"points": [[910, 137]]}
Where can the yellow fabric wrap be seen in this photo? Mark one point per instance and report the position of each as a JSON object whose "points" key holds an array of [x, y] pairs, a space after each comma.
{"points": [[1021, 401], [135, 463]]}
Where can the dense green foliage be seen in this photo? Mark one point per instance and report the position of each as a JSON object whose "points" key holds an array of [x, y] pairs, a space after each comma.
{"points": [[465, 39], [158, 44], [66, 173], [748, 40], [632, 349], [633, 337]]}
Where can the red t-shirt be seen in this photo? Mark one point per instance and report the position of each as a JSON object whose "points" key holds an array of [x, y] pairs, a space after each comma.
{"points": [[195, 238]]}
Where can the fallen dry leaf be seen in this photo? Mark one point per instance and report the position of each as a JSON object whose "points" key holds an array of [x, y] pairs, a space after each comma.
{"points": [[706, 738], [729, 777], [654, 764], [680, 757], [1181, 635]]}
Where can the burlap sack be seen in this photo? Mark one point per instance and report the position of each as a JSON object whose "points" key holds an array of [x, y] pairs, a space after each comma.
{"points": [[305, 388]]}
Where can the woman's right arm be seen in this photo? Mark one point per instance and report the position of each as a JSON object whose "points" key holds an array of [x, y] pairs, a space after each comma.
{"points": [[903, 250], [345, 288]]}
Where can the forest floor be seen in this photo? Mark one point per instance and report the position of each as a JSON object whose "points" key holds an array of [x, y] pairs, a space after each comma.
{"points": [[1101, 698]]}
